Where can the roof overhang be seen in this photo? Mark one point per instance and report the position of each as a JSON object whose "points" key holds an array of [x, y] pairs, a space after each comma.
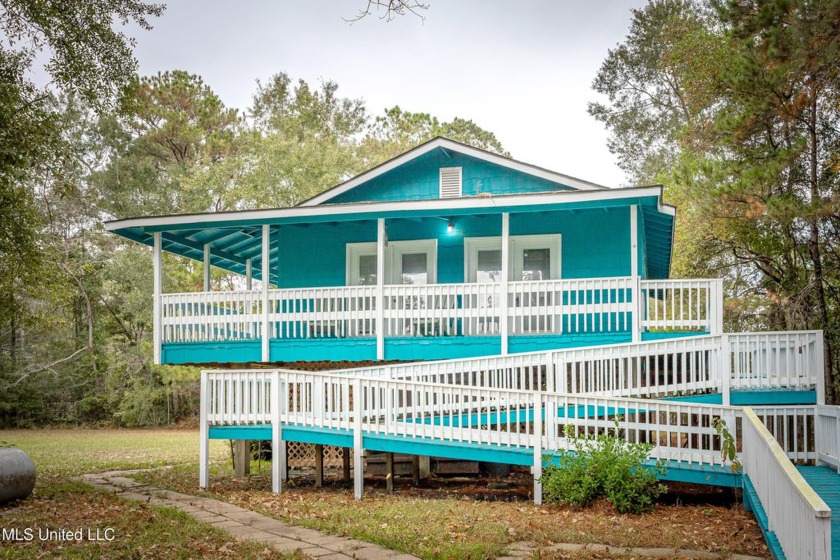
{"points": [[236, 237], [367, 210], [457, 147]]}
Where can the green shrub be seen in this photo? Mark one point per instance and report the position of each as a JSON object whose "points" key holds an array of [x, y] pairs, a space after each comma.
{"points": [[603, 466]]}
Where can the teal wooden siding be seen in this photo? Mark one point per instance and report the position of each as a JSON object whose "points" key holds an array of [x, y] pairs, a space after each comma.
{"points": [[595, 243], [315, 255], [420, 180]]}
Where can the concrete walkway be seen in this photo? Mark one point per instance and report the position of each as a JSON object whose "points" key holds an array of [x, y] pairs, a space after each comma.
{"points": [[245, 524]]}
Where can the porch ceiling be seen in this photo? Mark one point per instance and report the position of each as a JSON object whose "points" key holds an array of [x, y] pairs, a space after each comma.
{"points": [[235, 237]]}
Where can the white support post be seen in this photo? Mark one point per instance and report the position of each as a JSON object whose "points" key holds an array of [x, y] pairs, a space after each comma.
{"points": [[715, 304], [278, 447], [380, 289], [278, 456], [204, 437], [266, 280], [725, 373], [634, 240], [206, 267], [249, 275], [538, 461], [157, 271], [504, 322], [819, 366], [638, 309], [358, 451], [634, 273]]}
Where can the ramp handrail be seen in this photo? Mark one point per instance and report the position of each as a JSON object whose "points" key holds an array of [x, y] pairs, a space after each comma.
{"points": [[797, 514], [763, 360]]}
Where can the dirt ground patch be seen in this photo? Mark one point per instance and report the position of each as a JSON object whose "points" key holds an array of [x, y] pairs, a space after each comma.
{"points": [[477, 517]]}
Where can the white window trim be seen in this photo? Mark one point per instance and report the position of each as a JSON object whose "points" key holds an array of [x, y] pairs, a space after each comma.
{"points": [[354, 252], [399, 248], [518, 243], [393, 258], [472, 245]]}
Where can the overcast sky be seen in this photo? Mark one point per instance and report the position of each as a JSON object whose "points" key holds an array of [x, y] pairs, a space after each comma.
{"points": [[522, 70]]}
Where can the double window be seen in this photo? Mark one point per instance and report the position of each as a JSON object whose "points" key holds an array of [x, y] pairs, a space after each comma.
{"points": [[406, 262], [533, 257]]}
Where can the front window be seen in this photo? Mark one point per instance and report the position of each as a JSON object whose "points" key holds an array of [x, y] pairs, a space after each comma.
{"points": [[415, 268], [536, 264], [367, 270], [488, 266]]}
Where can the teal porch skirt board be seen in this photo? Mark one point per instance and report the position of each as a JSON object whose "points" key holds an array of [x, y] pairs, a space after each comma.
{"points": [[323, 349], [713, 475], [238, 351], [396, 348]]}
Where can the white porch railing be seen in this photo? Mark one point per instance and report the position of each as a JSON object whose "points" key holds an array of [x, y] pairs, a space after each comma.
{"points": [[680, 431], [441, 310], [597, 305], [211, 316], [828, 436], [798, 516], [341, 312], [770, 360], [571, 306], [684, 305], [794, 428]]}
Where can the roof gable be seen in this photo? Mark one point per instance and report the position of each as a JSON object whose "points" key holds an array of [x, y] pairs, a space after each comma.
{"points": [[414, 175]]}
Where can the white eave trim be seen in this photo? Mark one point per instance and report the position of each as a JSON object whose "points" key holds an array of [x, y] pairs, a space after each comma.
{"points": [[483, 155], [448, 204]]}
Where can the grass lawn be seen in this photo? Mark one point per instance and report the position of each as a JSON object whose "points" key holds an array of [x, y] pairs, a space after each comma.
{"points": [[441, 519], [139, 531]]}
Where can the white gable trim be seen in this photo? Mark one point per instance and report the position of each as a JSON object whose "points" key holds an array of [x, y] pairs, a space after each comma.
{"points": [[489, 157]]}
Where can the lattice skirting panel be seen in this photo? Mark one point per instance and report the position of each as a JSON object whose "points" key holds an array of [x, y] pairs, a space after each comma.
{"points": [[302, 455]]}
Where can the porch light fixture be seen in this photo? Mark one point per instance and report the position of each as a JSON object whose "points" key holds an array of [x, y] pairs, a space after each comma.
{"points": [[450, 227]]}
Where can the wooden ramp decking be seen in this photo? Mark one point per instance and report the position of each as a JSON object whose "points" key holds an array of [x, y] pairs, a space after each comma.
{"points": [[826, 482]]}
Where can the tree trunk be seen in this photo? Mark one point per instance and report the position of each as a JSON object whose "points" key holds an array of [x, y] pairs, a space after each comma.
{"points": [[814, 248]]}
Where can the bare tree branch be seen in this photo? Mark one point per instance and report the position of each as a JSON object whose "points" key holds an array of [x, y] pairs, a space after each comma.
{"points": [[391, 8]]}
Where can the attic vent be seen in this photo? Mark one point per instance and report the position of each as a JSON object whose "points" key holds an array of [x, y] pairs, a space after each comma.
{"points": [[450, 182]]}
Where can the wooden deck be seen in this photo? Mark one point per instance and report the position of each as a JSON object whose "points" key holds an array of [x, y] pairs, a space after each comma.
{"points": [[826, 482]]}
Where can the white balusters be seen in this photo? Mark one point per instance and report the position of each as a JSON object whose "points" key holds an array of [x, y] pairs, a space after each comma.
{"points": [[682, 305], [828, 435]]}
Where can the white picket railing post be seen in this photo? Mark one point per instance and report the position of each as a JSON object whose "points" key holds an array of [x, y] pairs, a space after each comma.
{"points": [[204, 431], [358, 451], [637, 309], [725, 369], [819, 366], [715, 301], [278, 447], [266, 281], [538, 452]]}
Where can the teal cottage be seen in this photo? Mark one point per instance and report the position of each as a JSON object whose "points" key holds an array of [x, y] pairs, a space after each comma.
{"points": [[527, 304], [425, 245]]}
